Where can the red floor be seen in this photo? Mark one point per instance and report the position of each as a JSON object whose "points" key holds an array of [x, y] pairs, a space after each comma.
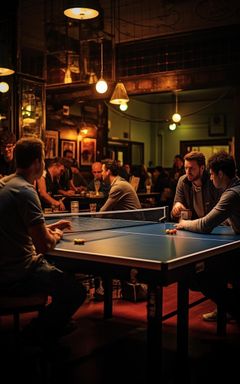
{"points": [[114, 351]]}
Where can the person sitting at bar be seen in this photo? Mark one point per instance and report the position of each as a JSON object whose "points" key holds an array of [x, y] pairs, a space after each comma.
{"points": [[223, 175], [97, 175], [7, 160], [48, 185], [121, 194], [71, 172], [25, 238]]}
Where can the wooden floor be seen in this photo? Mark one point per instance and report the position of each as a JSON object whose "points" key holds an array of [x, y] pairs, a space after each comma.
{"points": [[114, 351]]}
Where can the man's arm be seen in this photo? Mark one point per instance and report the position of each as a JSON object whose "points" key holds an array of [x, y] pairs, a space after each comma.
{"points": [[222, 210], [44, 238], [44, 195]]}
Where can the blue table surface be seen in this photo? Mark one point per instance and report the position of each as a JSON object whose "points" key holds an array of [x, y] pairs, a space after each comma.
{"points": [[148, 244]]}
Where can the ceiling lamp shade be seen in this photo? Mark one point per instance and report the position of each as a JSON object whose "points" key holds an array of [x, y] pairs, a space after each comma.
{"points": [[82, 9], [6, 67], [119, 95]]}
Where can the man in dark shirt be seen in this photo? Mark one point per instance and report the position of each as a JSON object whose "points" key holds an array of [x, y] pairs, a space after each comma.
{"points": [[7, 161]]}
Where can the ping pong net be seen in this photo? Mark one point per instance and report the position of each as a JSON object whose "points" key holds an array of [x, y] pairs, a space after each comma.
{"points": [[99, 221]]}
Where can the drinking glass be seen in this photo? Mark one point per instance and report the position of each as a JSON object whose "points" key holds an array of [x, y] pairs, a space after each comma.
{"points": [[97, 184]]}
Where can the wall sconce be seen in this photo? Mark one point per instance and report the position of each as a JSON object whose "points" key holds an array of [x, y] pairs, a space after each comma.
{"points": [[101, 86], [176, 117], [82, 9], [119, 95]]}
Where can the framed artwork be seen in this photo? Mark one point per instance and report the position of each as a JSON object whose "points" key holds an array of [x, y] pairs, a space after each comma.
{"points": [[87, 151], [70, 145], [51, 144], [217, 125]]}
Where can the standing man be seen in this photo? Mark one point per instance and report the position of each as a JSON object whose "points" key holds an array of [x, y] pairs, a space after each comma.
{"points": [[7, 161], [223, 174], [195, 190], [24, 239]]}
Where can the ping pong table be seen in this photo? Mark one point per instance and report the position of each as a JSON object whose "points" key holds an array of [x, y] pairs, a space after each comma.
{"points": [[161, 259]]}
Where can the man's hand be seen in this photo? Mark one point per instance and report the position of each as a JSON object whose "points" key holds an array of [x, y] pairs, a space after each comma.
{"points": [[180, 225], [177, 208], [61, 224]]}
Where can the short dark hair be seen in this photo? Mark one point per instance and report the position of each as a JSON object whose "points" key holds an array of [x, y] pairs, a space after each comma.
{"points": [[27, 150], [197, 156], [7, 137], [222, 161], [111, 165]]}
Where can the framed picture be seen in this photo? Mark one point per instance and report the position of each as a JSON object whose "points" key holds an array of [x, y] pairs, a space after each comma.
{"points": [[70, 145], [51, 144], [87, 151], [217, 125]]}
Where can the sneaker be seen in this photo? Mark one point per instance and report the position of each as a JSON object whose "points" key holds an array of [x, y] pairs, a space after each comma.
{"points": [[212, 316]]}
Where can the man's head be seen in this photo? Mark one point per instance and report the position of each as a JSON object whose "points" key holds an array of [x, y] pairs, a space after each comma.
{"points": [[7, 144], [222, 168], [194, 164], [56, 167], [29, 153], [97, 170], [110, 169], [178, 161]]}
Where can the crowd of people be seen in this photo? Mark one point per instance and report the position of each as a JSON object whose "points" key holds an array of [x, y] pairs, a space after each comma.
{"points": [[27, 186]]}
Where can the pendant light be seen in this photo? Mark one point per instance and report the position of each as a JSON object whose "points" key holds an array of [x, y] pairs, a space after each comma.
{"points": [[176, 117], [101, 86], [82, 9], [119, 95]]}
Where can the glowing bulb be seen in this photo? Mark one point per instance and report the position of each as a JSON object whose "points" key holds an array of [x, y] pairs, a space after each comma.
{"points": [[101, 86], [176, 117], [4, 87], [123, 106], [172, 127]]}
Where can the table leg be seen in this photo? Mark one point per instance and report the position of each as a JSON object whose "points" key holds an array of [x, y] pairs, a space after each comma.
{"points": [[107, 284], [154, 330], [182, 326]]}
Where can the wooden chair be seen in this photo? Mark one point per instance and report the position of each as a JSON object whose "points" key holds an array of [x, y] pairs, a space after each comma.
{"points": [[15, 305]]}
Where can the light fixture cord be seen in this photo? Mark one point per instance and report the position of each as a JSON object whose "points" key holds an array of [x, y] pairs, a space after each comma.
{"points": [[176, 102], [101, 59]]}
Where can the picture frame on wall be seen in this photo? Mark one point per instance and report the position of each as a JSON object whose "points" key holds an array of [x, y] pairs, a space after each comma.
{"points": [[70, 145], [87, 151], [217, 126], [51, 144]]}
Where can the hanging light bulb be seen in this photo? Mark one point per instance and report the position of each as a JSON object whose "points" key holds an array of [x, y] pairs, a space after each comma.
{"points": [[176, 117], [101, 86], [4, 87], [123, 107], [119, 95], [172, 126]]}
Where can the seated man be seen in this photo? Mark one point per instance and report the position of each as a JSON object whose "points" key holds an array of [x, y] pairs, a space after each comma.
{"points": [[71, 175], [48, 185], [24, 238], [7, 161], [121, 194], [195, 190], [97, 175], [223, 174]]}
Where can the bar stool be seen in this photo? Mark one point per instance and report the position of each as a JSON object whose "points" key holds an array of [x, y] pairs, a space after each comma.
{"points": [[15, 305]]}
